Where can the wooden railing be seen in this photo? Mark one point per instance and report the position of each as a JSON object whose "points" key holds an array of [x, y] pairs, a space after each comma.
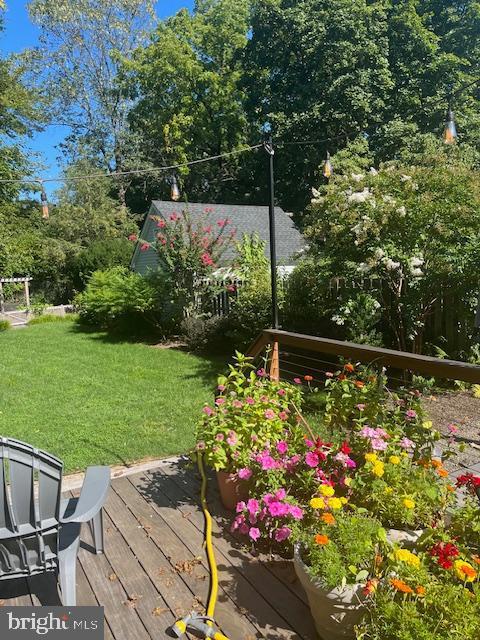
{"points": [[281, 341]]}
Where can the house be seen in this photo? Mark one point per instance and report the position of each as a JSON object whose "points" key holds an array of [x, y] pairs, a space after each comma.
{"points": [[244, 219]]}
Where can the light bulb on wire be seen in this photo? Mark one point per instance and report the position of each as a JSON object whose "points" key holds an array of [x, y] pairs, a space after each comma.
{"points": [[174, 190], [450, 131], [44, 201], [327, 170]]}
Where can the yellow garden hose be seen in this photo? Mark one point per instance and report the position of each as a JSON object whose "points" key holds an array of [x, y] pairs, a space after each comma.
{"points": [[204, 624]]}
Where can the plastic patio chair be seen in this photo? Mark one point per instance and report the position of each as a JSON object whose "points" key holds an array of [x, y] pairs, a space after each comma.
{"points": [[40, 531]]}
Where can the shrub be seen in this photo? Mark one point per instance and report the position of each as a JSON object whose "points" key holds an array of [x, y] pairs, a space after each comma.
{"points": [[99, 255], [117, 298], [202, 333], [5, 325]]}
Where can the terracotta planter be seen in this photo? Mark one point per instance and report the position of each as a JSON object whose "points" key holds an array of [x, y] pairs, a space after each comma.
{"points": [[232, 490], [405, 537], [335, 612]]}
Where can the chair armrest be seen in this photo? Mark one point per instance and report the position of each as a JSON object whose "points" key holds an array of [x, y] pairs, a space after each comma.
{"points": [[93, 495]]}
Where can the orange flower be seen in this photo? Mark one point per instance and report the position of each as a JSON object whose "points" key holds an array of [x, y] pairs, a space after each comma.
{"points": [[359, 384], [370, 587], [308, 378], [450, 488], [378, 560], [400, 585], [321, 539], [436, 463], [327, 518], [420, 590], [476, 559], [342, 376], [423, 463], [443, 473], [349, 367]]}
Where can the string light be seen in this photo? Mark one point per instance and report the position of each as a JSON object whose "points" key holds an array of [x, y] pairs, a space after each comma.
{"points": [[174, 190], [450, 131], [44, 201], [327, 167]]}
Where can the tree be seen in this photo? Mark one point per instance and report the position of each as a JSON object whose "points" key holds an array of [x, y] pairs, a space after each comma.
{"points": [[82, 42], [415, 229], [189, 101]]}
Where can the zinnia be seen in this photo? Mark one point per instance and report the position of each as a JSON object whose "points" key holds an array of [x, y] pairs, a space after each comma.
{"points": [[321, 539], [465, 571], [408, 503], [326, 490], [327, 518], [400, 585]]}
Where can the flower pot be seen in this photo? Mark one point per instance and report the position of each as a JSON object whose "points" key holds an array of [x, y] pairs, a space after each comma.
{"points": [[405, 537], [232, 490], [335, 612]]}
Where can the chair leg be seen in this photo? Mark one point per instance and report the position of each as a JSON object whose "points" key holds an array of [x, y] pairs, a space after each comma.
{"points": [[97, 530], [68, 579]]}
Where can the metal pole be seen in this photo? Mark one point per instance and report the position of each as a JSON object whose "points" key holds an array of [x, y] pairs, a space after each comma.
{"points": [[268, 145]]}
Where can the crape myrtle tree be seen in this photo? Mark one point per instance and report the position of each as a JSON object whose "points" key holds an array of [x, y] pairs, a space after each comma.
{"points": [[415, 229]]}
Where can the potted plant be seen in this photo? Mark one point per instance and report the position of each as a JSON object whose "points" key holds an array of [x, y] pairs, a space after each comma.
{"points": [[248, 413], [337, 563]]}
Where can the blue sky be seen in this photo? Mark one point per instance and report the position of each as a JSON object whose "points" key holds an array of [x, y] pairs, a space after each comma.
{"points": [[20, 34]]}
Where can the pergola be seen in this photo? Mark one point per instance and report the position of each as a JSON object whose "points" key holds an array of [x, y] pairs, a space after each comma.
{"points": [[25, 280]]}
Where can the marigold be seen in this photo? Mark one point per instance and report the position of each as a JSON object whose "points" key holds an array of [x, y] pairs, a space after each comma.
{"points": [[436, 463], [378, 469], [359, 384], [321, 539], [476, 559], [317, 503], [349, 367], [400, 585], [328, 518], [404, 555], [308, 378], [465, 571], [420, 590], [408, 503], [394, 460], [450, 488], [326, 490], [370, 457], [335, 503], [443, 473]]}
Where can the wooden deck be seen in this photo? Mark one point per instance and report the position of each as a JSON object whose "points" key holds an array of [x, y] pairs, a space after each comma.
{"points": [[154, 568]]}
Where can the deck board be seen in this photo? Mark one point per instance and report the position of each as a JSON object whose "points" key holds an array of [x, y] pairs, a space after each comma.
{"points": [[154, 569]]}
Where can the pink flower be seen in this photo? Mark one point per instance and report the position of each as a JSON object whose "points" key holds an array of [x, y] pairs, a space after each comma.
{"points": [[280, 494], [221, 387], [282, 446], [312, 459], [261, 373], [292, 463], [132, 237], [269, 414], [368, 432], [283, 415], [221, 223], [207, 411], [278, 509], [220, 437], [144, 247], [264, 398], [241, 506], [410, 414], [232, 438], [267, 462], [200, 445], [281, 392], [282, 534], [309, 443], [243, 529], [161, 224], [360, 407], [254, 533], [237, 404], [219, 401], [174, 217], [253, 506], [207, 260], [452, 428], [296, 512], [378, 444], [245, 473], [297, 381], [238, 521], [405, 443], [249, 400], [329, 374]]}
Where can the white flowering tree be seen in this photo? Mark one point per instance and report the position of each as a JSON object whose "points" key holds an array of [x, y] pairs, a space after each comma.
{"points": [[414, 230]]}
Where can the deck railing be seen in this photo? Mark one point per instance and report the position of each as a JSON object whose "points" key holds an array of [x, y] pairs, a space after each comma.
{"points": [[289, 350]]}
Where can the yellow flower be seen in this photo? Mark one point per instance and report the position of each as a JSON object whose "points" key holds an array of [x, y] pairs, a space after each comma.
{"points": [[427, 424], [465, 571], [343, 500], [394, 460], [317, 503], [408, 503], [334, 503], [327, 490], [347, 482], [378, 469], [370, 457], [388, 490], [404, 555]]}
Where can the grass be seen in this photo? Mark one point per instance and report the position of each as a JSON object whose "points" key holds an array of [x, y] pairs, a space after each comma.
{"points": [[91, 400]]}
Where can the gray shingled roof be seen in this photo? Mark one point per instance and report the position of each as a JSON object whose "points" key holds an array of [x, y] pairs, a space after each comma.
{"points": [[246, 219]]}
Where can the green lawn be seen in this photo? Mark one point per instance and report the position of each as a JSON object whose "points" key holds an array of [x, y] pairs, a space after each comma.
{"points": [[91, 400]]}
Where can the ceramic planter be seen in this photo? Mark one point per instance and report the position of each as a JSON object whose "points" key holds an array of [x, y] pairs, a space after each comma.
{"points": [[232, 490], [335, 612]]}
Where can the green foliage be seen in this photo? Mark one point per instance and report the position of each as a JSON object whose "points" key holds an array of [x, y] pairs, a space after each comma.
{"points": [[48, 318], [117, 299], [5, 325], [98, 256], [413, 229], [346, 551]]}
